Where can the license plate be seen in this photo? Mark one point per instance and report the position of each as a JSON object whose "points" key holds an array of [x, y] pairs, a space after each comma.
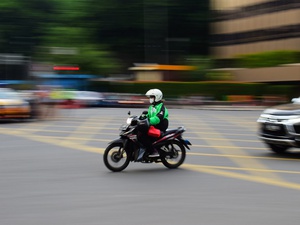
{"points": [[272, 127]]}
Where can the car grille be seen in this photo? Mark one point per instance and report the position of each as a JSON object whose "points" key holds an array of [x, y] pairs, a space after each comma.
{"points": [[297, 128], [280, 131]]}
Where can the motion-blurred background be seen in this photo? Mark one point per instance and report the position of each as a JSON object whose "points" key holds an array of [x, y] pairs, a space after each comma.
{"points": [[221, 50]]}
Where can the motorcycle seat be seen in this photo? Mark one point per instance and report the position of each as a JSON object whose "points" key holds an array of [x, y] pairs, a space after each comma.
{"points": [[170, 131]]}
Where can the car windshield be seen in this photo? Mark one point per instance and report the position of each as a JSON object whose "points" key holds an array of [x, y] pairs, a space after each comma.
{"points": [[8, 95]]}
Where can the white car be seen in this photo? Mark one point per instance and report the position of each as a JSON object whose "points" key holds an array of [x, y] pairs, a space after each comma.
{"points": [[296, 100], [280, 126], [12, 105]]}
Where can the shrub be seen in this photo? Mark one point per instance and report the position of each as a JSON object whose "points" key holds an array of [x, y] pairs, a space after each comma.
{"points": [[217, 90], [267, 59]]}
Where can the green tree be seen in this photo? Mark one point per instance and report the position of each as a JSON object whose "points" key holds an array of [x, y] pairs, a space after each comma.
{"points": [[159, 31], [108, 34], [23, 24], [69, 31]]}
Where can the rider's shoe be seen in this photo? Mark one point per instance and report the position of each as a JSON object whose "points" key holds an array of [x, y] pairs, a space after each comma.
{"points": [[154, 153], [141, 154]]}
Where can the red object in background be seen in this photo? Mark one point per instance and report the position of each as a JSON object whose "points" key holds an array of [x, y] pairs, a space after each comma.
{"points": [[66, 68]]}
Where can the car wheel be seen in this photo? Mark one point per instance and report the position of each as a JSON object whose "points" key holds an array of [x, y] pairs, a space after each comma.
{"points": [[280, 149]]}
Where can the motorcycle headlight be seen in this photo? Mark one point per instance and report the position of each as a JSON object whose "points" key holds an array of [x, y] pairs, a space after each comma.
{"points": [[128, 121]]}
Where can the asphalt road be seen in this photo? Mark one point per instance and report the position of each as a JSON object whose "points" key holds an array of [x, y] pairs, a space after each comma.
{"points": [[52, 173]]}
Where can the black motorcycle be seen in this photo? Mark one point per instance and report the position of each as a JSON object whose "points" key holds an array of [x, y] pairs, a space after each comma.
{"points": [[170, 145]]}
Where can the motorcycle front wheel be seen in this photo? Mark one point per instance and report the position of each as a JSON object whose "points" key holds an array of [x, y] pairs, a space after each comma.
{"points": [[115, 157], [173, 155]]}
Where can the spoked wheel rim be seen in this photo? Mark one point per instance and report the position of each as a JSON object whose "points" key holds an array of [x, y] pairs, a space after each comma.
{"points": [[115, 158], [176, 155]]}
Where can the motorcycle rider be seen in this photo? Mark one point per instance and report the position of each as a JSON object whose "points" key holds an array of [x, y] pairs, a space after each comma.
{"points": [[158, 117]]}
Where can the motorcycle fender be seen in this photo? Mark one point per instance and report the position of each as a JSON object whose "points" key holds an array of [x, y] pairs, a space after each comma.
{"points": [[118, 141], [185, 142], [124, 143]]}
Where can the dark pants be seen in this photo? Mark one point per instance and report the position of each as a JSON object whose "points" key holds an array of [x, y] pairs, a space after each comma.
{"points": [[147, 140]]}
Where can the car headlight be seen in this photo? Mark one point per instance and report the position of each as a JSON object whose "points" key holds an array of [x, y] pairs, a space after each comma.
{"points": [[263, 118], [271, 118]]}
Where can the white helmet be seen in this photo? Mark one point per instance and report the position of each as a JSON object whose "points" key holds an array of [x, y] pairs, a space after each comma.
{"points": [[156, 93]]}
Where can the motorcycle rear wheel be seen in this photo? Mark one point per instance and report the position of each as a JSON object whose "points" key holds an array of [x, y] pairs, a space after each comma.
{"points": [[115, 157], [175, 155]]}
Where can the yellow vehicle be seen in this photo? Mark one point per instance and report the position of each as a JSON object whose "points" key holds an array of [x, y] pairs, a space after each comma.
{"points": [[12, 105]]}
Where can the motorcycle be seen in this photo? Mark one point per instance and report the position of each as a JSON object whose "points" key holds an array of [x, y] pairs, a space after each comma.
{"points": [[170, 145]]}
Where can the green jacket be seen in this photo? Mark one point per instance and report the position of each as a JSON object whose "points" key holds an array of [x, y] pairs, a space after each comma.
{"points": [[157, 113]]}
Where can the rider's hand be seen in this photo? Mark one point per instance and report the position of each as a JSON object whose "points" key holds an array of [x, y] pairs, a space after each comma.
{"points": [[144, 115]]}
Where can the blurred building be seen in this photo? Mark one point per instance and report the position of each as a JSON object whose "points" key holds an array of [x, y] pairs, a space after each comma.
{"points": [[158, 72], [252, 26]]}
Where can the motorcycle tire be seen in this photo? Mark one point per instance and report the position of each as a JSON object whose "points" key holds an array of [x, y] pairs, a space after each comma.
{"points": [[115, 157], [176, 151]]}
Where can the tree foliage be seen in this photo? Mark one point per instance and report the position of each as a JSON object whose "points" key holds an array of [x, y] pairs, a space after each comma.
{"points": [[110, 35], [23, 24]]}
